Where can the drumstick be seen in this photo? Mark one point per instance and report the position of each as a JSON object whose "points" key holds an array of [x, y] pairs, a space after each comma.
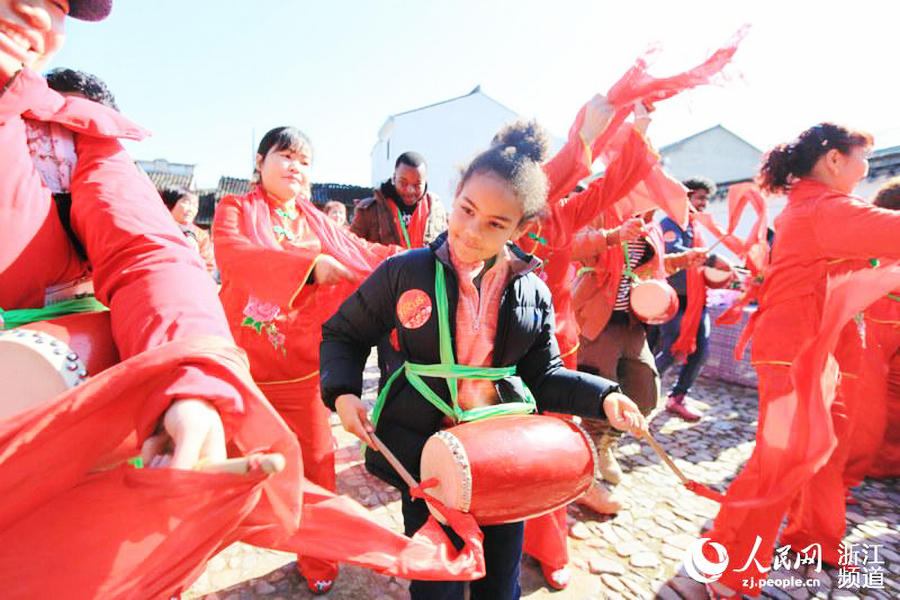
{"points": [[405, 475], [665, 457], [710, 249], [269, 463], [694, 486]]}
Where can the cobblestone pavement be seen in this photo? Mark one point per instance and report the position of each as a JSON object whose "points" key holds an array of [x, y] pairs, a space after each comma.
{"points": [[636, 554]]}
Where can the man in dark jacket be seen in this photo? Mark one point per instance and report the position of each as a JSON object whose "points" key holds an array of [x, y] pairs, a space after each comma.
{"points": [[402, 212]]}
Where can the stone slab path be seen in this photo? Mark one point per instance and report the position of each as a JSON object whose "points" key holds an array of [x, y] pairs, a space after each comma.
{"points": [[636, 554]]}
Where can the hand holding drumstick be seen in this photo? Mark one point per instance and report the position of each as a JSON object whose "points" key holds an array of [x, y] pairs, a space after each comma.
{"points": [[623, 414]]}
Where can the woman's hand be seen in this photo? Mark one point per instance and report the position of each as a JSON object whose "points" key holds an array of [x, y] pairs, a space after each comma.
{"points": [[696, 257], [354, 419], [329, 270], [192, 432], [624, 414], [597, 115], [631, 230]]}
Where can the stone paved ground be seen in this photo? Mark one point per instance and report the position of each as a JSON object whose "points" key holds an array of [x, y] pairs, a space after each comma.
{"points": [[636, 554]]}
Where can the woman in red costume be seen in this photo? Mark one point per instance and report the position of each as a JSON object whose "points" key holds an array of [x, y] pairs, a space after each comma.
{"points": [[823, 231], [285, 269], [876, 440]]}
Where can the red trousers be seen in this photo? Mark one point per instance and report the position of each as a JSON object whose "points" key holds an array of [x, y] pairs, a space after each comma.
{"points": [[816, 514], [300, 404], [546, 537]]}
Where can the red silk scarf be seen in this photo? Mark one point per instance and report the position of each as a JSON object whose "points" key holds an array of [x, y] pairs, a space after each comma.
{"points": [[686, 343]]}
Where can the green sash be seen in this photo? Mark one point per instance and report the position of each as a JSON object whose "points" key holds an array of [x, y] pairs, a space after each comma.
{"points": [[452, 372], [10, 319]]}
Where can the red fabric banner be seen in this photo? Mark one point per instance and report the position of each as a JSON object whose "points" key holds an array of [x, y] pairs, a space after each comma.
{"points": [[658, 190], [76, 522], [755, 248], [798, 434], [70, 529], [686, 342], [637, 85]]}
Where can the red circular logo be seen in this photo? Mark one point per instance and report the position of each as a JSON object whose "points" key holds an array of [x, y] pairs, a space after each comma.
{"points": [[413, 308]]}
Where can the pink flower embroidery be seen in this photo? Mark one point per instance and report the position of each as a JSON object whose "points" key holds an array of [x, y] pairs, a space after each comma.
{"points": [[275, 336], [261, 311], [260, 316]]}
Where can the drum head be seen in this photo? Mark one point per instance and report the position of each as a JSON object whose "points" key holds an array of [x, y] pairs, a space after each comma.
{"points": [[443, 458], [716, 278], [27, 377], [653, 301]]}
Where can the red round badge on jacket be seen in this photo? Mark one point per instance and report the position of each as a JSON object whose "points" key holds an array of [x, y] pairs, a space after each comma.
{"points": [[670, 236], [413, 308]]}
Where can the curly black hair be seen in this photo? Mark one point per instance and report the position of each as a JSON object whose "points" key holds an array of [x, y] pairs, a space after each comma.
{"points": [[515, 156], [700, 183], [888, 195], [67, 81]]}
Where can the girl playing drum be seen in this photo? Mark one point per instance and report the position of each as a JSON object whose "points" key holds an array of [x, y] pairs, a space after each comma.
{"points": [[500, 319]]}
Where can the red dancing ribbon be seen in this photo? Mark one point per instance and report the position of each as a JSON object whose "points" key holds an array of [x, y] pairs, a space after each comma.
{"points": [[798, 435], [686, 343], [637, 85]]}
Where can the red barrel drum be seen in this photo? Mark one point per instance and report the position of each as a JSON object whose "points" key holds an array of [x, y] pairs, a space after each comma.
{"points": [[507, 469], [41, 360], [653, 301]]}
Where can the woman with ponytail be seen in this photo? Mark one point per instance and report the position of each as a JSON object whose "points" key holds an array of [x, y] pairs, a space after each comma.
{"points": [[823, 231], [499, 315]]}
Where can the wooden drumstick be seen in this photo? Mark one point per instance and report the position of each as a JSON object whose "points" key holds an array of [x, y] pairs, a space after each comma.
{"points": [[665, 457], [405, 475], [269, 463]]}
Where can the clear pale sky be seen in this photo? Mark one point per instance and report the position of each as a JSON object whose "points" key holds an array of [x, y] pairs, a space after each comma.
{"points": [[209, 77]]}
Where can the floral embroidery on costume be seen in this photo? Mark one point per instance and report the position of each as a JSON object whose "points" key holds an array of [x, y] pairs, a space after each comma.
{"points": [[260, 316]]}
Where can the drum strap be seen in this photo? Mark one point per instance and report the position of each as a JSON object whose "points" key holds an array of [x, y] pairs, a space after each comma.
{"points": [[627, 272], [10, 319], [450, 371]]}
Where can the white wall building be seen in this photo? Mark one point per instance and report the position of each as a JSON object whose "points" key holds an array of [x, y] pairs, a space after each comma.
{"points": [[447, 133], [716, 153], [724, 157], [720, 147]]}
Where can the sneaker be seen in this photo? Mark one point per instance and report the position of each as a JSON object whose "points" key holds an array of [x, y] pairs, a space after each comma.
{"points": [[678, 405], [607, 464], [320, 575], [558, 579], [320, 586], [600, 500]]}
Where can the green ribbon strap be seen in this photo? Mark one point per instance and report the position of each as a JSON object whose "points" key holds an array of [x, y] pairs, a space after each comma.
{"points": [[10, 319], [627, 272], [402, 227], [448, 370], [535, 237]]}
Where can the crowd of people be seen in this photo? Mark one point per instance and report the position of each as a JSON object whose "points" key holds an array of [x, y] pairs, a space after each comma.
{"points": [[537, 289]]}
